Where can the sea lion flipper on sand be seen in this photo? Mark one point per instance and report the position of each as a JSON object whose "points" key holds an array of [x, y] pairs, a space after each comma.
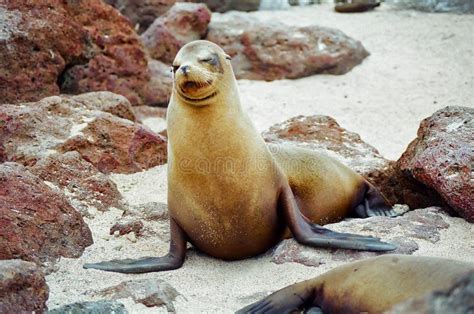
{"points": [[373, 204], [173, 260], [311, 234]]}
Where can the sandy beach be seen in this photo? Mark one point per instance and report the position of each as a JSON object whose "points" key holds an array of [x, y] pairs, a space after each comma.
{"points": [[419, 63]]}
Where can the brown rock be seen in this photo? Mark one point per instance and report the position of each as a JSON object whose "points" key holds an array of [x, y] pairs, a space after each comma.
{"points": [[442, 156], [38, 41], [115, 145], [271, 51], [37, 223], [183, 23], [404, 231], [227, 5], [150, 292], [34, 131], [116, 58], [459, 298], [22, 287], [69, 46], [127, 227], [84, 185], [142, 12]]}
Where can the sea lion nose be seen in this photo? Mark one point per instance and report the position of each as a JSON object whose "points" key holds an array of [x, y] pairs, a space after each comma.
{"points": [[184, 69]]}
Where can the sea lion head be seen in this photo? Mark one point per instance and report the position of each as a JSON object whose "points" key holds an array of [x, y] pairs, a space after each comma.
{"points": [[200, 72]]}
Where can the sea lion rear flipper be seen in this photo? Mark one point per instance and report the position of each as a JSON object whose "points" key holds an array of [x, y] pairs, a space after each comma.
{"points": [[173, 260], [314, 235], [287, 300], [373, 203]]}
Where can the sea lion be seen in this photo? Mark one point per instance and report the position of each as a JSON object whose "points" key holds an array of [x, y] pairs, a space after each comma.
{"points": [[227, 194], [373, 285], [356, 6]]}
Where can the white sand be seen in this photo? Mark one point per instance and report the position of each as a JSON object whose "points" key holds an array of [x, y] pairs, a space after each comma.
{"points": [[416, 59]]}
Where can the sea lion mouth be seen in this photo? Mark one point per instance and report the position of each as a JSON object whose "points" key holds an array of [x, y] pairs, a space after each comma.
{"points": [[188, 89]]}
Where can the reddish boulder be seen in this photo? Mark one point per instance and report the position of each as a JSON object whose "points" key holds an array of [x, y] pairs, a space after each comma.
{"points": [[37, 223], [116, 59], [183, 23], [323, 134], [142, 12], [109, 102], [23, 288], [33, 131], [115, 145], [69, 46], [84, 185], [271, 51], [441, 158], [38, 41]]}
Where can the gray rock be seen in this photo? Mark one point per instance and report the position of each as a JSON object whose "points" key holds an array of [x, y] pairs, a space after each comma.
{"points": [[97, 307]]}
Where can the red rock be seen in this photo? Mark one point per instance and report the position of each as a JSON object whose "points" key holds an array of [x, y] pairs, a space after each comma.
{"points": [[34, 131], [271, 51], [441, 158], [117, 60], [183, 23], [72, 47], [114, 145], [40, 40], [84, 185], [108, 102], [23, 288], [37, 223], [142, 12]]}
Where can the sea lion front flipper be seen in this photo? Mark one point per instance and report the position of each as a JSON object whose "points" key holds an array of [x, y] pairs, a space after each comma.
{"points": [[173, 260], [314, 235], [287, 300], [373, 203]]}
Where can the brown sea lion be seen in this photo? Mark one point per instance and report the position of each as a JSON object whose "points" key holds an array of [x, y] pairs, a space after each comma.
{"points": [[373, 285], [228, 194], [356, 6]]}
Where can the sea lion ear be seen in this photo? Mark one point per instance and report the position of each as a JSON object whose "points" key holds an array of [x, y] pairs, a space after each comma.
{"points": [[227, 57]]}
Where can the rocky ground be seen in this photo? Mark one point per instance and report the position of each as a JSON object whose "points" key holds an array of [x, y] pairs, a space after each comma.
{"points": [[96, 155]]}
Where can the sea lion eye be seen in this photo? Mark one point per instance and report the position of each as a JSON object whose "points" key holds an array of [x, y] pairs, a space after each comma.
{"points": [[228, 57], [174, 68], [208, 59]]}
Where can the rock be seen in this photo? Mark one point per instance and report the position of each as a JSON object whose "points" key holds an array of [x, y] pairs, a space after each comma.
{"points": [[115, 145], [158, 90], [271, 51], [404, 231], [459, 298], [70, 47], [127, 227], [183, 23], [150, 292], [455, 6], [37, 223], [145, 112], [441, 158], [116, 62], [109, 102], [36, 44], [32, 131], [228, 5], [97, 307], [22, 287], [142, 12], [83, 184]]}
